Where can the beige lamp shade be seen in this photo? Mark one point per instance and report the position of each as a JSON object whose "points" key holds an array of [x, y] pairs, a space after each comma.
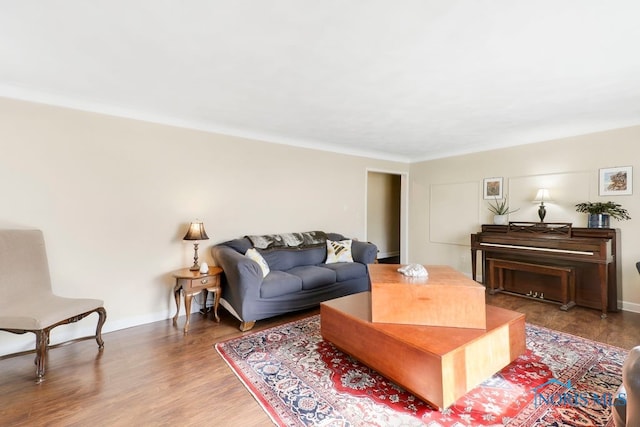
{"points": [[542, 196], [196, 232]]}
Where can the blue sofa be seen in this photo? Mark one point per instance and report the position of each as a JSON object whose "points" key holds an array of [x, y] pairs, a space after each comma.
{"points": [[298, 278]]}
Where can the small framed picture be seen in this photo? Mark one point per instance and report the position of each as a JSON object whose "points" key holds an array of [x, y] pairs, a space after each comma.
{"points": [[492, 188], [616, 181]]}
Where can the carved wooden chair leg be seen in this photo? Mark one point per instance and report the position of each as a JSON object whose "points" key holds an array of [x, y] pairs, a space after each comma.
{"points": [[102, 313], [42, 342]]}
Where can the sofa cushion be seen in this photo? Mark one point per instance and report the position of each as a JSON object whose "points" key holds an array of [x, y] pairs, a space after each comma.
{"points": [[339, 251], [347, 270], [285, 259], [279, 283], [313, 277]]}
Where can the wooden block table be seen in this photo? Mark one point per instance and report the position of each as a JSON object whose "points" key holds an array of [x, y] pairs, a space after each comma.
{"points": [[437, 364], [446, 298]]}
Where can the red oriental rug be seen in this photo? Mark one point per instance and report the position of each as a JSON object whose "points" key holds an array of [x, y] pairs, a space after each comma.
{"points": [[301, 380]]}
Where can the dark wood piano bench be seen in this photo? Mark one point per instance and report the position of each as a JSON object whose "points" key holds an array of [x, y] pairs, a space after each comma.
{"points": [[566, 274]]}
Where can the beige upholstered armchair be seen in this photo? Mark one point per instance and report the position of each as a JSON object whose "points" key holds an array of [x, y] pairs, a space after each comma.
{"points": [[27, 303]]}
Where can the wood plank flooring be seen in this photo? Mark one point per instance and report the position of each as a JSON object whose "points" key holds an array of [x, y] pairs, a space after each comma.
{"points": [[153, 375]]}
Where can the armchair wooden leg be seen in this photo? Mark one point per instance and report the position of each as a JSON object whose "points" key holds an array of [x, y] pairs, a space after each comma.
{"points": [[102, 313], [42, 341]]}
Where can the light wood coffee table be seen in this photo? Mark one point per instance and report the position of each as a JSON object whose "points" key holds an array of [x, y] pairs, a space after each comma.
{"points": [[437, 364], [445, 298]]}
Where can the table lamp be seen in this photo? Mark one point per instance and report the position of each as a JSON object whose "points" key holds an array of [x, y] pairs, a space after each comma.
{"points": [[196, 233], [541, 196]]}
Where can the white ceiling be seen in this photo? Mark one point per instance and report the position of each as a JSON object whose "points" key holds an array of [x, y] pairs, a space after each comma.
{"points": [[404, 80]]}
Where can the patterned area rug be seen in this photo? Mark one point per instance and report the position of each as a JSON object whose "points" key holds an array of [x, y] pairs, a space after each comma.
{"points": [[301, 380]]}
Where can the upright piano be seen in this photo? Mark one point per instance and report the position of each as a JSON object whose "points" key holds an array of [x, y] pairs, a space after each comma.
{"points": [[530, 251]]}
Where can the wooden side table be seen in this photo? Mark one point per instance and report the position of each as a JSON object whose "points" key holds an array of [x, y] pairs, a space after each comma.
{"points": [[191, 283]]}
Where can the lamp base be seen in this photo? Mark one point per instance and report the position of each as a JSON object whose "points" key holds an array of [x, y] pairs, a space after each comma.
{"points": [[195, 266], [542, 212]]}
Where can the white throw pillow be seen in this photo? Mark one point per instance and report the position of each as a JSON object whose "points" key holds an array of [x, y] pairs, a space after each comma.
{"points": [[255, 255], [339, 251]]}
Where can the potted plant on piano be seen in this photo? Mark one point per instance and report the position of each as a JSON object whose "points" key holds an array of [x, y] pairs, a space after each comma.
{"points": [[500, 210], [601, 212]]}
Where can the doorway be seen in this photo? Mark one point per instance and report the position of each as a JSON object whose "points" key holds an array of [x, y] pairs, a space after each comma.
{"points": [[385, 215]]}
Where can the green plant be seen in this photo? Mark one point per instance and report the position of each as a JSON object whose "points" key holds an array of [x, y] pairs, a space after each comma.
{"points": [[500, 207], [614, 210]]}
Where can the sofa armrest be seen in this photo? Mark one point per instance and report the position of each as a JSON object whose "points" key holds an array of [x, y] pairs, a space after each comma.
{"points": [[243, 275], [364, 252]]}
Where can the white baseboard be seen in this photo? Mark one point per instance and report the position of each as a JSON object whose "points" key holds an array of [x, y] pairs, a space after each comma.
{"points": [[87, 327], [388, 254], [629, 306], [13, 343]]}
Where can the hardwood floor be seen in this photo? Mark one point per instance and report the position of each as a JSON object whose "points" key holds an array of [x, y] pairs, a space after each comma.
{"points": [[153, 375]]}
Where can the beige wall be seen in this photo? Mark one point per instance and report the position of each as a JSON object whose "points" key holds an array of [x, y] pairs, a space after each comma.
{"points": [[568, 167], [114, 198]]}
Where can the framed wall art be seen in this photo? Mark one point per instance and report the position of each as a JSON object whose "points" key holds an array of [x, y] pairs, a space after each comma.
{"points": [[492, 188], [616, 181]]}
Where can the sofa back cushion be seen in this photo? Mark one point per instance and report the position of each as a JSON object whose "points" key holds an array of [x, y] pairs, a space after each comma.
{"points": [[285, 259], [335, 236], [239, 245]]}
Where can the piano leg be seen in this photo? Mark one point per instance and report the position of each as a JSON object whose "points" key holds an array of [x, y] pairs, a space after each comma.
{"points": [[491, 278], [604, 290], [474, 256]]}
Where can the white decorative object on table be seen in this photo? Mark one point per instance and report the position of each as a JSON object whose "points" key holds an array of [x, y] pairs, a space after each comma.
{"points": [[204, 268], [414, 270]]}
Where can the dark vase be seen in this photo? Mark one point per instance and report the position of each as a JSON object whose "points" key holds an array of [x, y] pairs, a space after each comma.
{"points": [[598, 221]]}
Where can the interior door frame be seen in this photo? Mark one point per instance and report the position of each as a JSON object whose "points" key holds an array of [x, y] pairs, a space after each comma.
{"points": [[404, 208]]}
